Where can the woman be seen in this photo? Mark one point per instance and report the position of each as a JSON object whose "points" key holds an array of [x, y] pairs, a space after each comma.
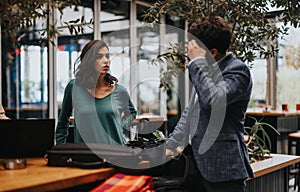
{"points": [[2, 113], [102, 108]]}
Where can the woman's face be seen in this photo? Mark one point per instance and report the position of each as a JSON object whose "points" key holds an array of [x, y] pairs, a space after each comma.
{"points": [[102, 62]]}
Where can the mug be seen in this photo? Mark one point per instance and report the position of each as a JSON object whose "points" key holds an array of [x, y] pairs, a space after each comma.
{"points": [[297, 107], [285, 107]]}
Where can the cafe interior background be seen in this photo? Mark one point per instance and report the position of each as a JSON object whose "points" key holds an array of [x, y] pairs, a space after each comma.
{"points": [[34, 74]]}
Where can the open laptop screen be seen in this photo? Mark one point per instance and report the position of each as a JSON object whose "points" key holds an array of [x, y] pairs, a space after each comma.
{"points": [[21, 138]]}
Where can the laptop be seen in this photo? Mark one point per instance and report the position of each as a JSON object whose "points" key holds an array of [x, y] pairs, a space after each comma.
{"points": [[21, 138]]}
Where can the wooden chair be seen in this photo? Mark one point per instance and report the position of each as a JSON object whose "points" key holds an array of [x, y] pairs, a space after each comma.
{"points": [[294, 143]]}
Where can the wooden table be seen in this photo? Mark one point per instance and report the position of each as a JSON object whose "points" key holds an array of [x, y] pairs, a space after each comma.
{"points": [[284, 122], [37, 176]]}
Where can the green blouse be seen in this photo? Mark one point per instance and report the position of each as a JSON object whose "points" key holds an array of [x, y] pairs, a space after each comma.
{"points": [[96, 120]]}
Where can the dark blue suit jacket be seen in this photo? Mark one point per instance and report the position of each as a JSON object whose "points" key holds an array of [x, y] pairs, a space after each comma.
{"points": [[216, 121]]}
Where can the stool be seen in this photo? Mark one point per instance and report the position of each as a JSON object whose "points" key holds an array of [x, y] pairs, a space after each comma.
{"points": [[294, 142]]}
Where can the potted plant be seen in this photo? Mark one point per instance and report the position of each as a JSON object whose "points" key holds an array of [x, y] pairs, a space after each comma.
{"points": [[258, 141]]}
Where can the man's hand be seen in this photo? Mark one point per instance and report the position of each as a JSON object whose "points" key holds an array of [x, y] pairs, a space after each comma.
{"points": [[169, 152], [194, 50]]}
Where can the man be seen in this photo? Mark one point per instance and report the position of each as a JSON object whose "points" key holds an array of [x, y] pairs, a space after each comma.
{"points": [[215, 116]]}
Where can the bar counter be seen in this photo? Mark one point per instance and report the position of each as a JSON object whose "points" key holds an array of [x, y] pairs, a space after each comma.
{"points": [[271, 174], [275, 163]]}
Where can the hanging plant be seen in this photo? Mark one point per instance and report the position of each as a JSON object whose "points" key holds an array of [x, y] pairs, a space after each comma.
{"points": [[253, 25], [17, 17], [175, 59]]}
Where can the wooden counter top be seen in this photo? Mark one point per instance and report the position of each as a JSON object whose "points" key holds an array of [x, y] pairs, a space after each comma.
{"points": [[279, 113], [37, 176], [276, 162]]}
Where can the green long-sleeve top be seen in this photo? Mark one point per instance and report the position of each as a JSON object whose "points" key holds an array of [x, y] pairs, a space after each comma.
{"points": [[96, 120]]}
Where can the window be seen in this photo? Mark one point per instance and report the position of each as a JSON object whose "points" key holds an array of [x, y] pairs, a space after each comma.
{"points": [[34, 75], [288, 69], [25, 75], [259, 77]]}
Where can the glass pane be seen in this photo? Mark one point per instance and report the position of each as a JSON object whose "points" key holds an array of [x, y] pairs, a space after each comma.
{"points": [[73, 13], [66, 56], [25, 89], [259, 78], [288, 70], [120, 63], [25, 74], [34, 75], [70, 44]]}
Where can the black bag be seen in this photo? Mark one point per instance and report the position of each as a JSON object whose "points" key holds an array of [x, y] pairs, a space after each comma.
{"points": [[180, 174], [84, 155], [176, 173], [154, 148]]}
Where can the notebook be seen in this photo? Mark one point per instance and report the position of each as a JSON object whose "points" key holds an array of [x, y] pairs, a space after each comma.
{"points": [[21, 138]]}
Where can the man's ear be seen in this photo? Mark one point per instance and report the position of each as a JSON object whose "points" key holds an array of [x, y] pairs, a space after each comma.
{"points": [[214, 52]]}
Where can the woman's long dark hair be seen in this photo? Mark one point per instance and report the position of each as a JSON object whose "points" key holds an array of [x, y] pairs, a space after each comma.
{"points": [[85, 73]]}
